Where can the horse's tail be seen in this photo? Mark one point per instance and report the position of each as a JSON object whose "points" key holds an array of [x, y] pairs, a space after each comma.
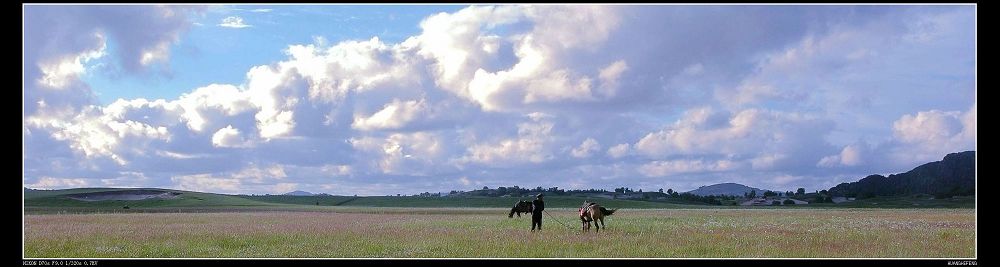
{"points": [[607, 212]]}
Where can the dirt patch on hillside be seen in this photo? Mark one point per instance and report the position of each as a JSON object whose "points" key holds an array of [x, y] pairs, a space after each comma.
{"points": [[139, 194]]}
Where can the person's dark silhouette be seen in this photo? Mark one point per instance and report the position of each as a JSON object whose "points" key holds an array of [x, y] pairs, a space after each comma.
{"points": [[536, 212]]}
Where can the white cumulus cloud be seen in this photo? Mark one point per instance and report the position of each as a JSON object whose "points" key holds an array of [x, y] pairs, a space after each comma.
{"points": [[393, 116], [233, 22], [672, 167], [510, 95], [587, 148], [228, 137], [618, 151]]}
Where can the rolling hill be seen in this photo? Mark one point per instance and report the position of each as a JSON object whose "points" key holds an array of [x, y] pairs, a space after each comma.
{"points": [[136, 199], [169, 200], [955, 175], [730, 189], [298, 193]]}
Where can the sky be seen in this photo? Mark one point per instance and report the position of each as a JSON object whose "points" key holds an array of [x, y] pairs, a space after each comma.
{"points": [[383, 100]]}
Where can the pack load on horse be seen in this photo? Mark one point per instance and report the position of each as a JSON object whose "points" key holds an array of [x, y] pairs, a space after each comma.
{"points": [[593, 212], [522, 206]]}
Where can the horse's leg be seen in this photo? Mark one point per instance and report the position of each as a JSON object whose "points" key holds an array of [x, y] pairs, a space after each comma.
{"points": [[597, 225]]}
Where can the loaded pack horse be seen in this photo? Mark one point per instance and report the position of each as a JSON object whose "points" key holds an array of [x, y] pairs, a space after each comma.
{"points": [[522, 206], [593, 212]]}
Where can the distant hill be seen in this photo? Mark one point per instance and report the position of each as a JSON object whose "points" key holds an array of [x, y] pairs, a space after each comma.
{"points": [[84, 200], [730, 189], [953, 176], [143, 199], [299, 193]]}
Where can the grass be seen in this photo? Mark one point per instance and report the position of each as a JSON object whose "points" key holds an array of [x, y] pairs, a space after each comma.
{"points": [[56, 201], [459, 202], [487, 232], [302, 200], [212, 225]]}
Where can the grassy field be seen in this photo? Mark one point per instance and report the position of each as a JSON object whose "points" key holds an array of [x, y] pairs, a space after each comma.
{"points": [[461, 202], [209, 225], [485, 232], [56, 201]]}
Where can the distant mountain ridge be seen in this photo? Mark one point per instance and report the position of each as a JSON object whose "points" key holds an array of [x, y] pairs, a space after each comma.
{"points": [[299, 193], [955, 175], [730, 189]]}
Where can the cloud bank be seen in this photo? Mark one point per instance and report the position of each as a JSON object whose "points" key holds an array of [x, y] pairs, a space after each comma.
{"points": [[569, 96]]}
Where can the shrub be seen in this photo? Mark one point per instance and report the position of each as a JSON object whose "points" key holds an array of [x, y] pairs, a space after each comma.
{"points": [[789, 202], [776, 203]]}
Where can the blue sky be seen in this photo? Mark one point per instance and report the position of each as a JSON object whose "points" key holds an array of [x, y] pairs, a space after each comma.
{"points": [[208, 53], [381, 99]]}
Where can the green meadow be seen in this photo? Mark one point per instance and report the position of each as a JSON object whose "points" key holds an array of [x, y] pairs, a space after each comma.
{"points": [[475, 233], [202, 225]]}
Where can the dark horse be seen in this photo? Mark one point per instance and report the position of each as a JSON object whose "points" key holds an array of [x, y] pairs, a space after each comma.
{"points": [[519, 207], [592, 212]]}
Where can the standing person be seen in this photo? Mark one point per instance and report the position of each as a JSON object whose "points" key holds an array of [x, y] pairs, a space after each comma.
{"points": [[536, 212]]}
